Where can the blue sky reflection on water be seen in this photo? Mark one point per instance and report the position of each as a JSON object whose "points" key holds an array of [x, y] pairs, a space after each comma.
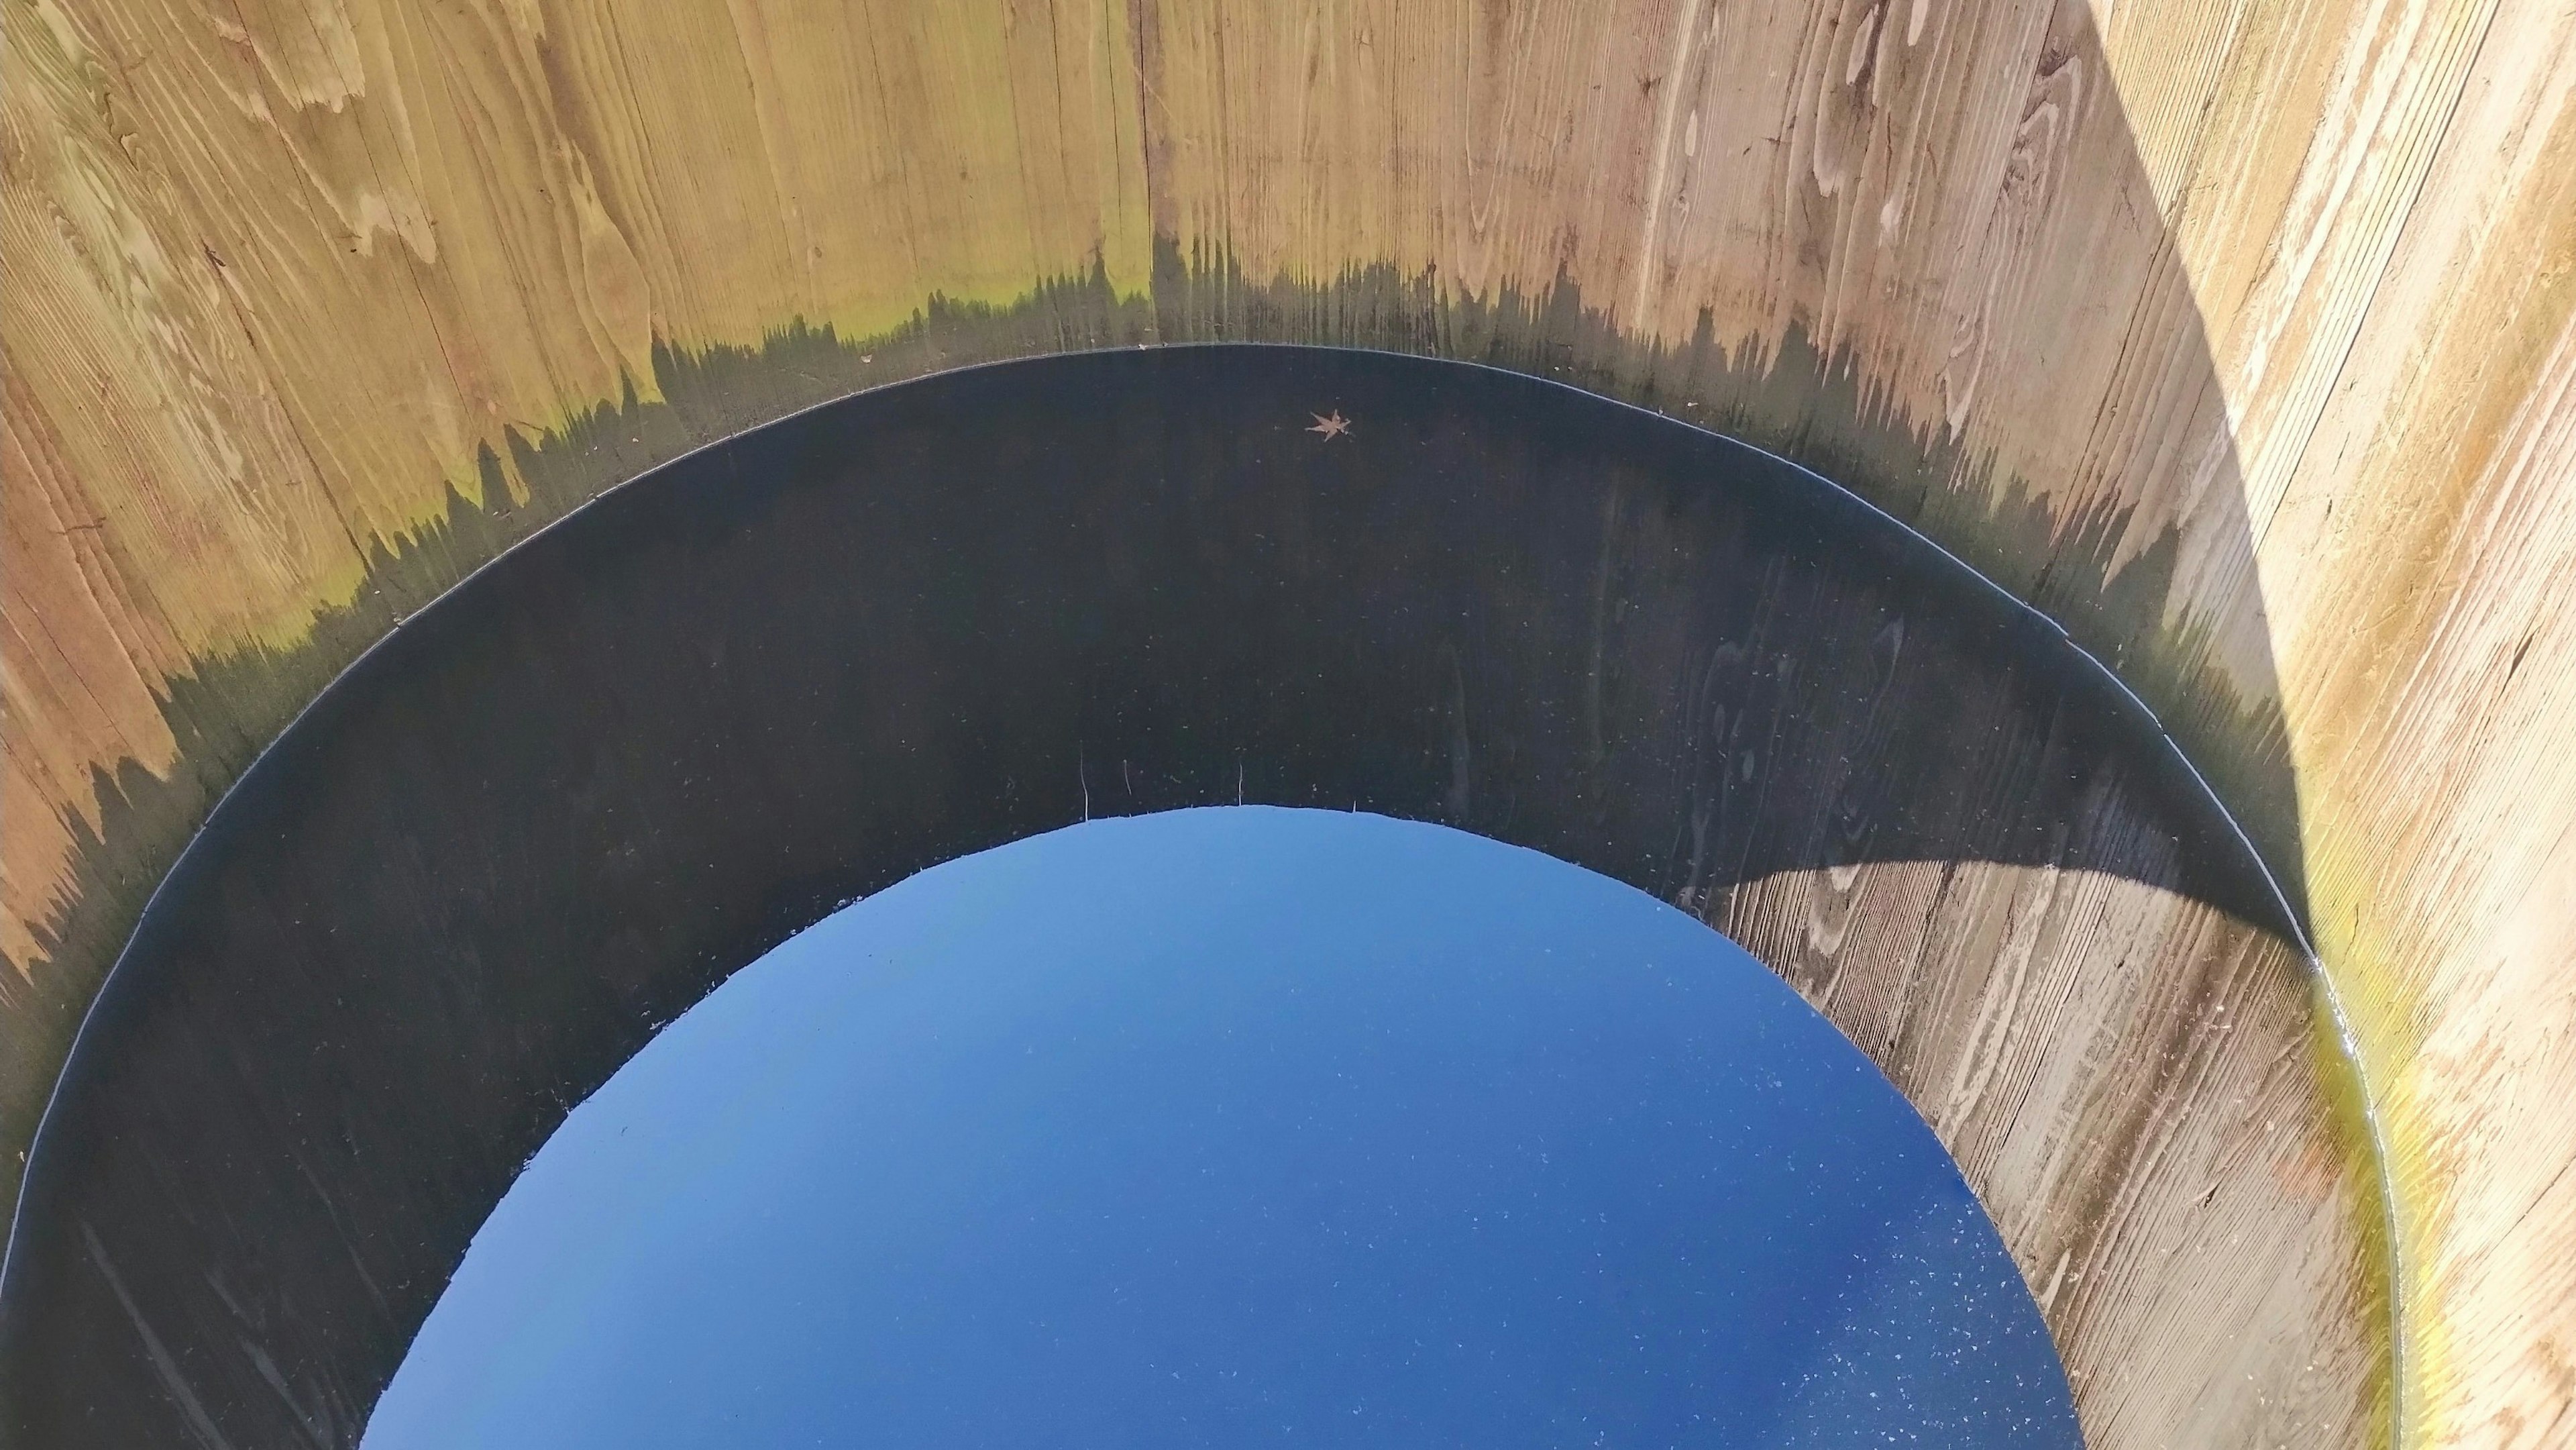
{"points": [[1240, 1127]]}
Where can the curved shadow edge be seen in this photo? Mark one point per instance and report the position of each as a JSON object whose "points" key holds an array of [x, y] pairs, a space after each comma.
{"points": [[789, 670]]}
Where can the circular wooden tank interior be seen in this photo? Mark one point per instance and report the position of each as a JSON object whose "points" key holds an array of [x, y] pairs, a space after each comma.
{"points": [[2049, 523]]}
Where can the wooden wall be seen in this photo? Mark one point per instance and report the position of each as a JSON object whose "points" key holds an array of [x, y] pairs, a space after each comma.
{"points": [[2241, 336]]}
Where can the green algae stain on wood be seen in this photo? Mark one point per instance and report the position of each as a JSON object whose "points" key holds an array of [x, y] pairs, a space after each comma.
{"points": [[1814, 409]]}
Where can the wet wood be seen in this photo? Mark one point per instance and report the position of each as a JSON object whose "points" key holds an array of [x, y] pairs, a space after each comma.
{"points": [[2240, 337], [783, 673]]}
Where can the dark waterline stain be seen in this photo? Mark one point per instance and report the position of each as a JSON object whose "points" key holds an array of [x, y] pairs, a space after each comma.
{"points": [[1241, 1126], [1802, 403], [557, 808]]}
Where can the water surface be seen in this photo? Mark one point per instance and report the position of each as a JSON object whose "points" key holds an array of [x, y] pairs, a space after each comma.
{"points": [[1231, 1127]]}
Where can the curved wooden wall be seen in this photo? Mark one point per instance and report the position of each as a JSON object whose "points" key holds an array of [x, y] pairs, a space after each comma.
{"points": [[547, 813], [2241, 337]]}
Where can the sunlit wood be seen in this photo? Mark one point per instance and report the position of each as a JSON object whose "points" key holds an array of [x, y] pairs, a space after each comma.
{"points": [[2240, 337]]}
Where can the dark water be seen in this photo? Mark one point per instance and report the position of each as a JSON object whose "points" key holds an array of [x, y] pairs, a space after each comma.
{"points": [[1240, 1127]]}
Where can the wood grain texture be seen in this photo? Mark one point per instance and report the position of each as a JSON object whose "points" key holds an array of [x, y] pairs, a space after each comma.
{"points": [[791, 669], [2024, 1011], [2265, 313]]}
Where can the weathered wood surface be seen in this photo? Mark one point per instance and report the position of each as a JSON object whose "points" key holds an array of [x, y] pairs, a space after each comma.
{"points": [[790, 670], [2241, 336]]}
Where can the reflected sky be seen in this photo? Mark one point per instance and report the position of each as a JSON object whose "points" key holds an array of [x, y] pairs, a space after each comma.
{"points": [[1240, 1127]]}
